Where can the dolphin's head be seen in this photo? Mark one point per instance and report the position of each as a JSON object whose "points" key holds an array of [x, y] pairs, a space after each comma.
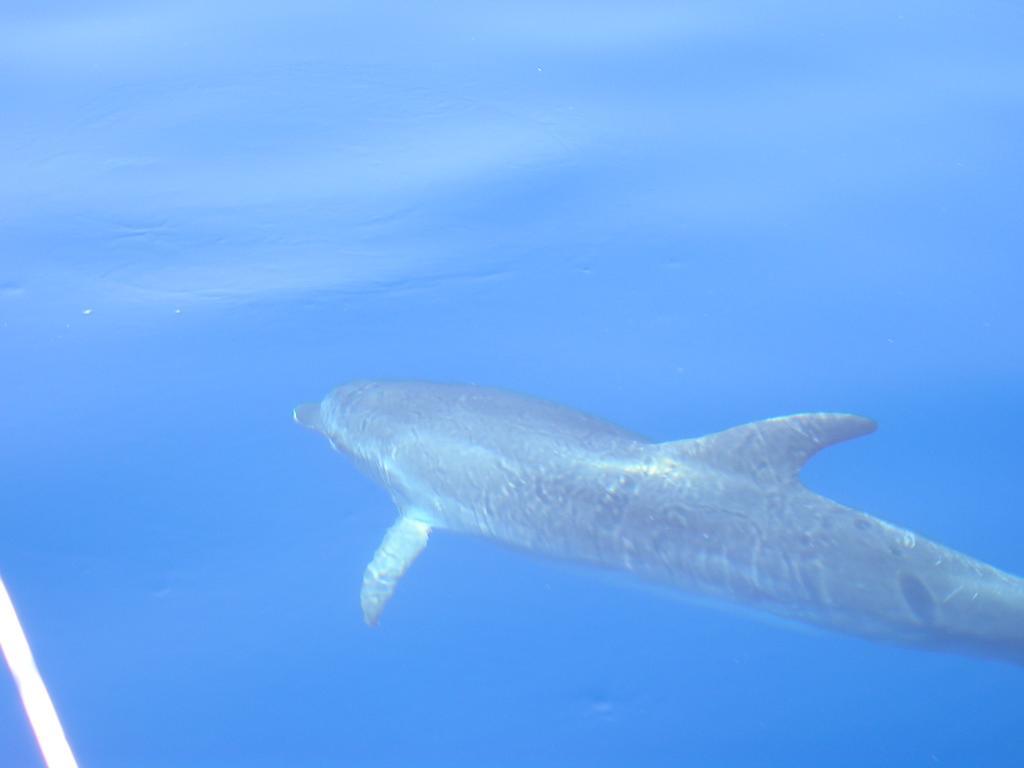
{"points": [[352, 418], [308, 415]]}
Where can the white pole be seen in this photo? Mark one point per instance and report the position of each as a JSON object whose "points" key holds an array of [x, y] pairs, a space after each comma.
{"points": [[34, 698]]}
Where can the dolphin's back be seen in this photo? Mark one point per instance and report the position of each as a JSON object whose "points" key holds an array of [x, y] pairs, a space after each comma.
{"points": [[487, 418]]}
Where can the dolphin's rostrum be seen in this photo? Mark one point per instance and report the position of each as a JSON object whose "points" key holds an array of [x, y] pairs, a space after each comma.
{"points": [[723, 516]]}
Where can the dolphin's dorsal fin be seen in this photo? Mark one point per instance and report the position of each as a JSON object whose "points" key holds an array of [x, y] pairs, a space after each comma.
{"points": [[773, 450], [402, 544]]}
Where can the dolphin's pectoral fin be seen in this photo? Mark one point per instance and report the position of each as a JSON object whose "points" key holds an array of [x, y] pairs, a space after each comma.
{"points": [[774, 450], [402, 544]]}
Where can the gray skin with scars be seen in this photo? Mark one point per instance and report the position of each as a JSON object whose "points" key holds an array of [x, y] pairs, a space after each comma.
{"points": [[723, 516]]}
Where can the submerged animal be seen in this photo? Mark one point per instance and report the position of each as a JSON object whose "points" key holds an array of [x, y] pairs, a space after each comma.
{"points": [[723, 516]]}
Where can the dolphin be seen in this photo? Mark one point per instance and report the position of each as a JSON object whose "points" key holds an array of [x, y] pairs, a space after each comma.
{"points": [[723, 516]]}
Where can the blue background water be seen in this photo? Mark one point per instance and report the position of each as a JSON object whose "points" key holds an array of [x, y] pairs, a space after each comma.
{"points": [[677, 216]]}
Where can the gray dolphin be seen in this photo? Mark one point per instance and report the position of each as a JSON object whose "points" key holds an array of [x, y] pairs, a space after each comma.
{"points": [[723, 516]]}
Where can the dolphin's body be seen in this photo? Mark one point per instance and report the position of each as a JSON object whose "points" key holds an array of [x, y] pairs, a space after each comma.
{"points": [[723, 516]]}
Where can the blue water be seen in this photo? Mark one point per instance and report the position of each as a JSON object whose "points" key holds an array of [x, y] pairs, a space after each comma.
{"points": [[677, 216]]}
